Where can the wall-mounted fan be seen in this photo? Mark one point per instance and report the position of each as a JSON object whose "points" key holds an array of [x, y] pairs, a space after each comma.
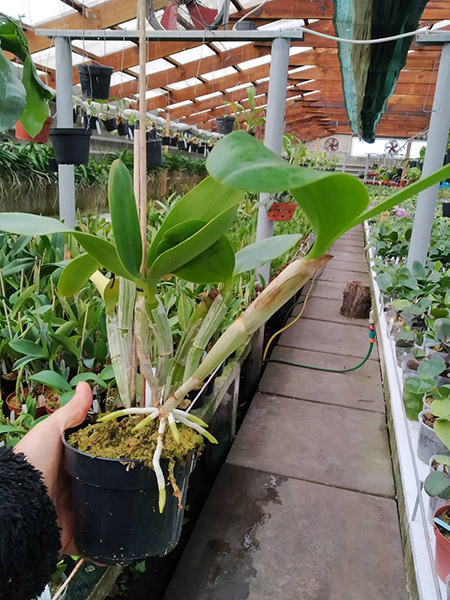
{"points": [[185, 14], [332, 144], [392, 148]]}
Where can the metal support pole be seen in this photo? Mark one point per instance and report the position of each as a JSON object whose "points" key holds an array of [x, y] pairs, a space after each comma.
{"points": [[273, 138], [366, 168], [344, 162], [64, 116], [434, 158], [226, 13]]}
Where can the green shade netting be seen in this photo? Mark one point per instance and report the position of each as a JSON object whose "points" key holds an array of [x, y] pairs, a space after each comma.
{"points": [[370, 73]]}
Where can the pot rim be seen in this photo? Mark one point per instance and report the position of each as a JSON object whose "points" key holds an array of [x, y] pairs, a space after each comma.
{"points": [[95, 69], [70, 131], [437, 512], [422, 412]]}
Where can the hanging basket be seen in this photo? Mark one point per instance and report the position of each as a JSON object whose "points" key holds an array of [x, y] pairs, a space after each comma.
{"points": [[225, 124], [71, 146], [95, 81], [40, 138], [110, 124], [280, 211], [154, 153]]}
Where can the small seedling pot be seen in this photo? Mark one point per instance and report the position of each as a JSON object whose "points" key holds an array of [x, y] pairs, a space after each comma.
{"points": [[40, 410], [115, 503], [434, 502], [90, 122], [40, 138], [225, 124], [182, 145], [154, 153], [71, 146], [166, 140], [95, 81], [122, 128], [174, 142], [442, 553], [110, 124], [280, 211], [428, 443], [193, 147]]}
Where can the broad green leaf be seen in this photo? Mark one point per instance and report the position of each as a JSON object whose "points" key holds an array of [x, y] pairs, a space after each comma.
{"points": [[76, 273], [413, 404], [66, 343], [416, 385], [124, 218], [25, 360], [64, 398], [384, 281], [431, 368], [178, 256], [107, 373], [418, 269], [261, 252], [10, 429], [12, 94], [88, 377], [30, 404], [441, 408], [52, 380], [17, 265], [442, 330], [330, 200], [30, 349], [22, 299], [36, 108], [437, 483], [213, 266], [442, 430], [184, 310], [204, 202], [179, 233]]}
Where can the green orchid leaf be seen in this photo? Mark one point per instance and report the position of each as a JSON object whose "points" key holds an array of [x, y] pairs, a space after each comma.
{"points": [[24, 296], [17, 265], [213, 266], [124, 218], [204, 202], [107, 373], [258, 254], [30, 349], [88, 377], [66, 343], [10, 429], [413, 404], [36, 108], [179, 233], [12, 94], [437, 483], [431, 368], [178, 256], [76, 273], [25, 360], [442, 430], [52, 380], [66, 397]]}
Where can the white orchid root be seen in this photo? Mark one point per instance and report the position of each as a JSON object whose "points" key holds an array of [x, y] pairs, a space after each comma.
{"points": [[174, 417]]}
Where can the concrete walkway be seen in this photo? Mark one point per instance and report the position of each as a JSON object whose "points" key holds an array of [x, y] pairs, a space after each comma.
{"points": [[304, 507]]}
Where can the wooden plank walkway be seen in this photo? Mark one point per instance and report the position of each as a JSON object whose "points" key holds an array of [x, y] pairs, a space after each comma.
{"points": [[304, 507]]}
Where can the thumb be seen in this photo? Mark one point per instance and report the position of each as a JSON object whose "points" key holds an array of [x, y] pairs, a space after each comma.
{"points": [[74, 412]]}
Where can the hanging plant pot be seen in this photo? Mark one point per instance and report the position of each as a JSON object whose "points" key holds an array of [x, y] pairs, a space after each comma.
{"points": [[225, 124], [281, 211], [201, 149], [154, 153], [110, 124], [182, 145], [71, 146], [122, 128], [174, 142], [428, 442], [115, 504], [166, 140], [74, 116], [40, 138], [193, 147], [446, 209], [442, 555], [90, 122], [95, 81]]}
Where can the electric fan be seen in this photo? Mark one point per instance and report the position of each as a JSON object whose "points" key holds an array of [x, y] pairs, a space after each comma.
{"points": [[185, 14]]}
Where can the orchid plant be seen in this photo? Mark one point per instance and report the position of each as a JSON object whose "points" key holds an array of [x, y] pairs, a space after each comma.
{"points": [[191, 244]]}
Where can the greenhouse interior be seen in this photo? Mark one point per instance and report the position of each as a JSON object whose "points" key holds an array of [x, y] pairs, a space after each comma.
{"points": [[225, 300]]}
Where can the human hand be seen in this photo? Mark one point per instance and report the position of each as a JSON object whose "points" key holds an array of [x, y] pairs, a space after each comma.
{"points": [[43, 448]]}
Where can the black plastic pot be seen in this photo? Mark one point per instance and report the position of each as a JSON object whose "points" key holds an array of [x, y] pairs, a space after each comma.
{"points": [[152, 134], [110, 124], [122, 128], [90, 122], [166, 140], [225, 124], [193, 147], [174, 141], [446, 209], [115, 504], [74, 116], [95, 80], [154, 153], [182, 145], [245, 26], [201, 149], [71, 146]]}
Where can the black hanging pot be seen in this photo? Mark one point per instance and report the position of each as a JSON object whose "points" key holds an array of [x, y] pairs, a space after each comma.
{"points": [[122, 128], [446, 209], [154, 153], [110, 124], [225, 124], [201, 149], [74, 116], [90, 122], [95, 81], [174, 142], [152, 134], [115, 504], [182, 145], [193, 147], [71, 146], [166, 140]]}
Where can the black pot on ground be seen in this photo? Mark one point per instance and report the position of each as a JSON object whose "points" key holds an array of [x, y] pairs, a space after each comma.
{"points": [[446, 209], [166, 140], [154, 153], [122, 128], [225, 124], [110, 124], [182, 145], [95, 80], [71, 146], [174, 141], [116, 514], [245, 26]]}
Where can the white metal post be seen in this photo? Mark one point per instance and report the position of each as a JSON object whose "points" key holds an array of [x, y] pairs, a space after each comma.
{"points": [[64, 116], [434, 157], [273, 139]]}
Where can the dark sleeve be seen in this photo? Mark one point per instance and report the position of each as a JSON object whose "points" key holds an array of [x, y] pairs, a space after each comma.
{"points": [[29, 536]]}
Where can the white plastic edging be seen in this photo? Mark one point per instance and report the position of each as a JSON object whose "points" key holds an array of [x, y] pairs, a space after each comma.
{"points": [[412, 470]]}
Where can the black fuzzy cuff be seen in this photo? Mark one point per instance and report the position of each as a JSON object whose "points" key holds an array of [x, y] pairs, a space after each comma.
{"points": [[29, 536]]}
